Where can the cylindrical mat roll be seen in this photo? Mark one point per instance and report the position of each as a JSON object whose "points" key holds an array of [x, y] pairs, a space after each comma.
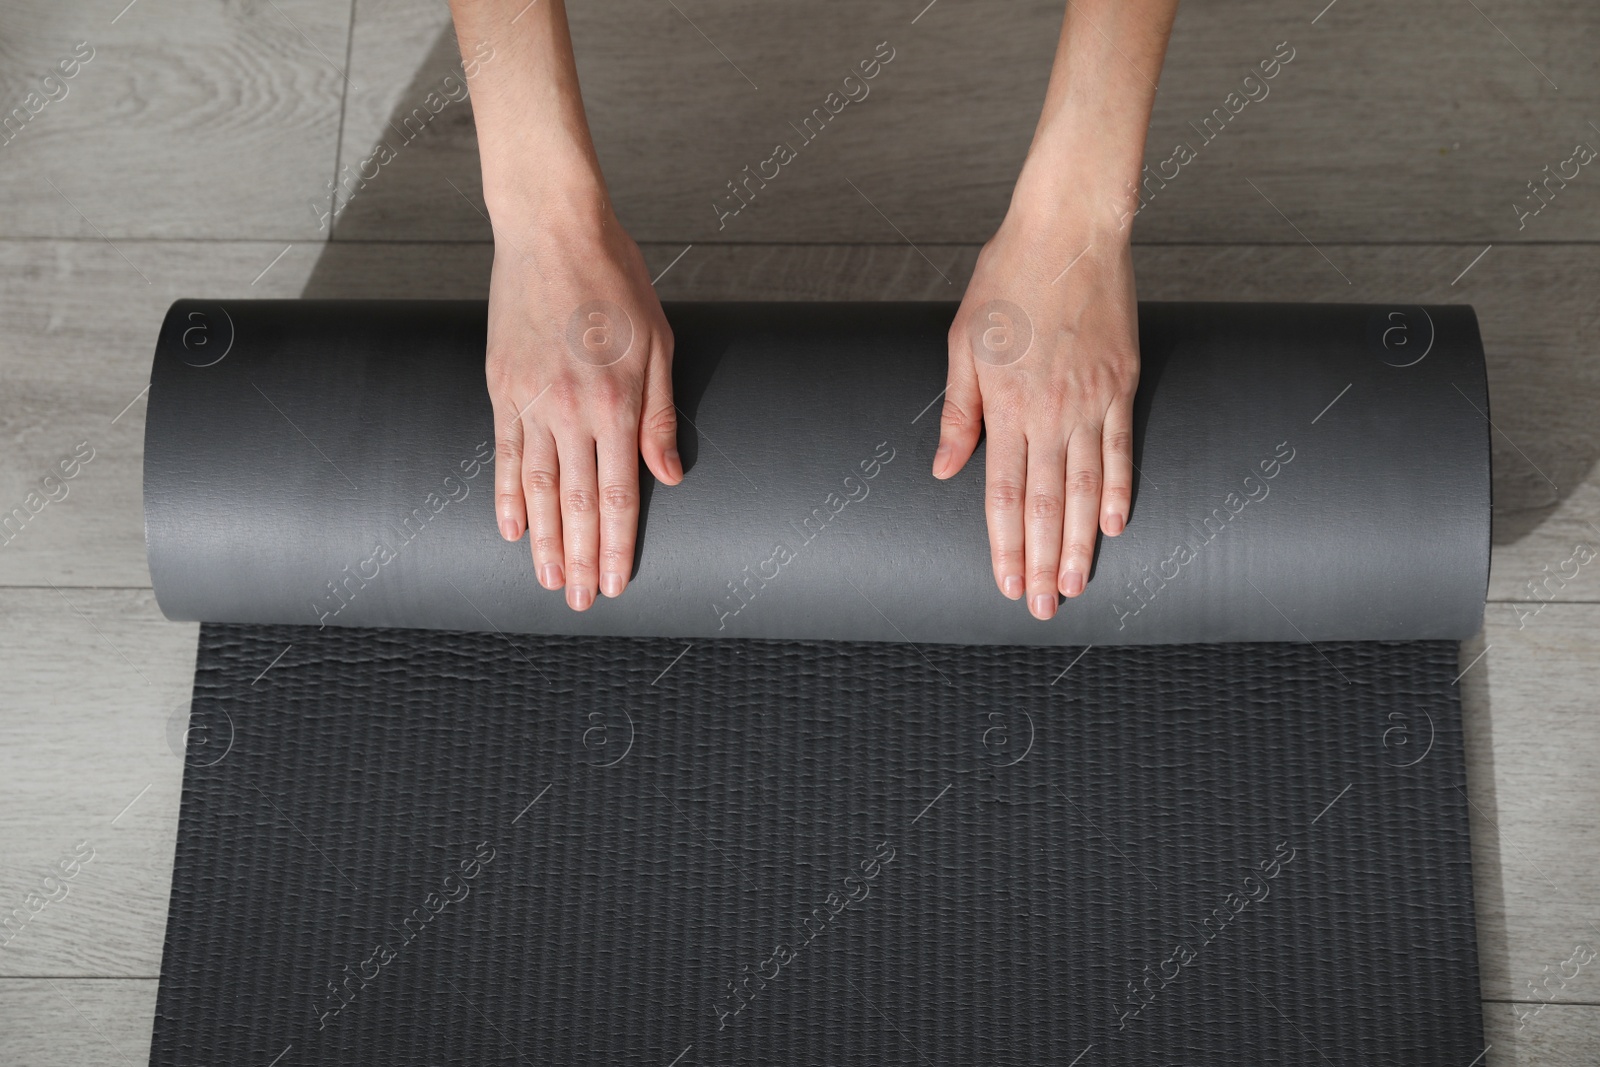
{"points": [[1306, 472]]}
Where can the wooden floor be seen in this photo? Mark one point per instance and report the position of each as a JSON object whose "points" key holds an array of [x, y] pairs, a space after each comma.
{"points": [[192, 155]]}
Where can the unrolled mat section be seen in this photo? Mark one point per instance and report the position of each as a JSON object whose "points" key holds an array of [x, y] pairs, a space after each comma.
{"points": [[406, 847], [1305, 472]]}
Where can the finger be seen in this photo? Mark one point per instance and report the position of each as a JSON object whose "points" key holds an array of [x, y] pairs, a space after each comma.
{"points": [[541, 486], [658, 421], [1044, 517], [1006, 464], [1083, 508], [962, 417], [509, 509], [619, 510], [580, 518], [1116, 499]]}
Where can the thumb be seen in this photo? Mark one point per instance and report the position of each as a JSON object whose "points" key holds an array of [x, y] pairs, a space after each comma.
{"points": [[658, 421], [962, 418]]}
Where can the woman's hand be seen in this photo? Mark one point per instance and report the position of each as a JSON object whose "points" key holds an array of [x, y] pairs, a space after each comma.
{"points": [[579, 354], [580, 376], [1045, 348], [1045, 352]]}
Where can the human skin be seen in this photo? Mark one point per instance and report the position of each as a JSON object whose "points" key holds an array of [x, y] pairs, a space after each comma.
{"points": [[571, 422], [1059, 418], [570, 425]]}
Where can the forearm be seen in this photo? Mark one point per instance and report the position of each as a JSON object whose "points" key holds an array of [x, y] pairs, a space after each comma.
{"points": [[534, 147], [1083, 166]]}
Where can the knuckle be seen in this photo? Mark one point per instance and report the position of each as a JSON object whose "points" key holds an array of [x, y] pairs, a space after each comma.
{"points": [[1083, 483], [547, 547], [1125, 371], [1008, 407], [1004, 495], [580, 564], [1045, 506], [1057, 396], [1007, 560], [564, 397], [618, 497], [955, 417], [662, 422], [1119, 443], [614, 559], [1077, 551], [538, 480], [578, 500], [609, 395], [499, 371]]}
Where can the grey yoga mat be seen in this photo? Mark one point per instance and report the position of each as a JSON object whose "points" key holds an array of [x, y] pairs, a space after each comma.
{"points": [[1306, 472], [872, 827]]}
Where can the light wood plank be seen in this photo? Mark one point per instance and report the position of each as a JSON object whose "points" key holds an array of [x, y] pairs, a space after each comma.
{"points": [[411, 102], [1413, 122], [192, 119], [1560, 1035], [1533, 776], [94, 711], [77, 1022]]}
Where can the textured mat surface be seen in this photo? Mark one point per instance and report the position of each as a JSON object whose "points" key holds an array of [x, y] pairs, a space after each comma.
{"points": [[406, 847]]}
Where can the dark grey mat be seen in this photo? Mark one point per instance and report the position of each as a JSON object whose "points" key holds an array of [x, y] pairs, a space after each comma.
{"points": [[1307, 472], [412, 847]]}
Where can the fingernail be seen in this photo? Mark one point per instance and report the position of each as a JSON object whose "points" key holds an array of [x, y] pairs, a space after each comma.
{"points": [[1114, 524], [550, 576], [581, 598], [611, 583], [939, 456], [1012, 586], [674, 464], [508, 529], [1044, 606], [1073, 585]]}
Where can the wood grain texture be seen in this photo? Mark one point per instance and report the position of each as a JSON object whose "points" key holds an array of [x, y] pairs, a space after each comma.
{"points": [[68, 1022], [410, 104], [1413, 122], [192, 119], [96, 704], [1562, 1035], [1533, 776]]}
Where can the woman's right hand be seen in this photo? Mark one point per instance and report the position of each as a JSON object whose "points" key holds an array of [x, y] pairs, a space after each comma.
{"points": [[580, 376]]}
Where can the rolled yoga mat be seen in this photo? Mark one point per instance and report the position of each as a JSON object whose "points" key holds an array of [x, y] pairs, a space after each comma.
{"points": [[331, 463], [885, 820]]}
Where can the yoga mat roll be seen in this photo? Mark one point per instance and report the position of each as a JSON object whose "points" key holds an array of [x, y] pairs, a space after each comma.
{"points": [[1306, 472]]}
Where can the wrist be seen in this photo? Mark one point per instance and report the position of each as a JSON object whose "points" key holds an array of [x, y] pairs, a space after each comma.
{"points": [[544, 190], [1083, 168], [1093, 203]]}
